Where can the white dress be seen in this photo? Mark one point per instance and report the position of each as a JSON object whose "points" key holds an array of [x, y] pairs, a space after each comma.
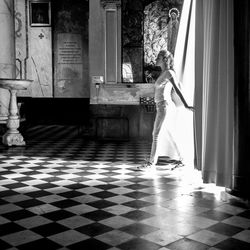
{"points": [[176, 138], [167, 142]]}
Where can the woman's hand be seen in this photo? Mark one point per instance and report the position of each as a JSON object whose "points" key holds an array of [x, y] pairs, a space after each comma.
{"points": [[190, 108]]}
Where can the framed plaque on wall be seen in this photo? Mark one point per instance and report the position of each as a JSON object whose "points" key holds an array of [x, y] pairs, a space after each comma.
{"points": [[40, 13]]}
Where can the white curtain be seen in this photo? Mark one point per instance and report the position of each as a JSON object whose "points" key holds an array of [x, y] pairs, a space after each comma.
{"points": [[205, 65], [185, 71], [214, 90]]}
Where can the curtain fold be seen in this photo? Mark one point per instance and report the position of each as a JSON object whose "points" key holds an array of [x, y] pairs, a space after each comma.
{"points": [[214, 90]]}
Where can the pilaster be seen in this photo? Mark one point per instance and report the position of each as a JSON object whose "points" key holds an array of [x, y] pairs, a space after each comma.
{"points": [[7, 52], [112, 40]]}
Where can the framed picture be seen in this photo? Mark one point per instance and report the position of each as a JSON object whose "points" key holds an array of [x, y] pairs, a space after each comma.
{"points": [[40, 13]]}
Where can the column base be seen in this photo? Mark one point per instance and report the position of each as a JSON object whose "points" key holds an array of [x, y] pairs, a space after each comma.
{"points": [[15, 139]]}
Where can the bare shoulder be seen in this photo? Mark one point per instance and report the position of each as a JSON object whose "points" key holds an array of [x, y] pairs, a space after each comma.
{"points": [[171, 73], [166, 74]]}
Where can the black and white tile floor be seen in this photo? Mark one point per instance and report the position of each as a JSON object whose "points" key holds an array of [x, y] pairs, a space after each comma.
{"points": [[64, 192]]}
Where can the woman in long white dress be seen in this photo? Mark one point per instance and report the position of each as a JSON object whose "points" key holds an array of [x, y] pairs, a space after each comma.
{"points": [[164, 86]]}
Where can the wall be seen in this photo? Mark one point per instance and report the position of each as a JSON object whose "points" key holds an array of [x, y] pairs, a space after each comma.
{"points": [[115, 110], [34, 46]]}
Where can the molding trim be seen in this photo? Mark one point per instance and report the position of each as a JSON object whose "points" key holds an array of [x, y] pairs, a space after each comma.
{"points": [[111, 4]]}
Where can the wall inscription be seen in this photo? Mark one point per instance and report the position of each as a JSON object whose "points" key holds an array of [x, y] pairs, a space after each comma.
{"points": [[69, 70], [70, 51]]}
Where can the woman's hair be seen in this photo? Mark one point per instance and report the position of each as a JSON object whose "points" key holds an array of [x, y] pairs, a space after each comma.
{"points": [[168, 58]]}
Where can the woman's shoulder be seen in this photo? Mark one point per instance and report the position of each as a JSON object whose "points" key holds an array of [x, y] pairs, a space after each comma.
{"points": [[168, 74]]}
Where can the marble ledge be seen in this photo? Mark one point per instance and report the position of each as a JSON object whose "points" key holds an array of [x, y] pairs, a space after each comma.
{"points": [[121, 93]]}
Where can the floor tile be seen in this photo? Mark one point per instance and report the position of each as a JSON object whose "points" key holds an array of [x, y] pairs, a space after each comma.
{"points": [[137, 204], [10, 228], [243, 236], [161, 237], [229, 209], [94, 229], [42, 209], [207, 237], [138, 229], [215, 215], [74, 221], [232, 244], [184, 244], [49, 229], [199, 221], [21, 237], [245, 214], [118, 209], [114, 237], [89, 244], [18, 215], [180, 228], [39, 244], [225, 229], [117, 222], [68, 237], [81, 209], [238, 221], [101, 204], [4, 245], [33, 221], [98, 215], [137, 215], [6, 208], [138, 244]]}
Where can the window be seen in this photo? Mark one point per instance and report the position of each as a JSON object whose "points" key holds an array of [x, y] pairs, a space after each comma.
{"points": [[147, 27]]}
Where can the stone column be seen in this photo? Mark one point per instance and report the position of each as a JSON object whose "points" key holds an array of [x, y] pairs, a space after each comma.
{"points": [[7, 53]]}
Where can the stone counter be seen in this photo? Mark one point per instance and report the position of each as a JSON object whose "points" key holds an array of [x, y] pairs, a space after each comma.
{"points": [[121, 93]]}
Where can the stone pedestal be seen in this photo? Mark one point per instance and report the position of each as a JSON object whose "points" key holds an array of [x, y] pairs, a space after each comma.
{"points": [[13, 137]]}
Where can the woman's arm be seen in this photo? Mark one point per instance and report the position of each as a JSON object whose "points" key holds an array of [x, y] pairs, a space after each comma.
{"points": [[177, 90]]}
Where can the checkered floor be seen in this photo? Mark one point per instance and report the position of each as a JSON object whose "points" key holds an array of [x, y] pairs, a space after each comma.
{"points": [[61, 191]]}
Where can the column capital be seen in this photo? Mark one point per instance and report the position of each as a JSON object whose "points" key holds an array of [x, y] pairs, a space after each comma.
{"points": [[111, 4]]}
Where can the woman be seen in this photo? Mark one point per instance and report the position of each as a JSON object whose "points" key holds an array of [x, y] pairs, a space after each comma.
{"points": [[164, 86]]}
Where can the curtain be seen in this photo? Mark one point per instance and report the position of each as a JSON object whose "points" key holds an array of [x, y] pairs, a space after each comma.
{"points": [[214, 90], [185, 71]]}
